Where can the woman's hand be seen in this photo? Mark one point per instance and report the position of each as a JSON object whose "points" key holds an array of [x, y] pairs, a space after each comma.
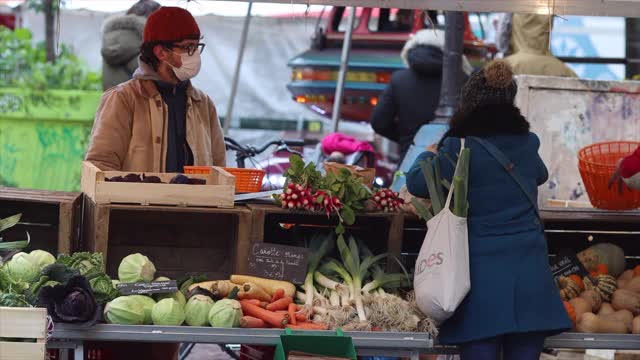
{"points": [[433, 148]]}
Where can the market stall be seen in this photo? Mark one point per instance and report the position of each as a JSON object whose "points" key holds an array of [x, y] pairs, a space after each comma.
{"points": [[235, 274]]}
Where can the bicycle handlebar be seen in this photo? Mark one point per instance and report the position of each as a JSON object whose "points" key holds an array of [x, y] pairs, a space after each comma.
{"points": [[255, 151]]}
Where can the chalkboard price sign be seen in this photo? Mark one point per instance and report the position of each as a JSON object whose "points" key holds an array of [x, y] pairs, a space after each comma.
{"points": [[566, 263], [143, 288], [278, 262]]}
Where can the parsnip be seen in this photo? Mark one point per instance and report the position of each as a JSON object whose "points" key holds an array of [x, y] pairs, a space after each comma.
{"points": [[270, 286]]}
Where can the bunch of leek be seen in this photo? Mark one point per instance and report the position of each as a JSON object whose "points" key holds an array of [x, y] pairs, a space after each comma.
{"points": [[436, 185]]}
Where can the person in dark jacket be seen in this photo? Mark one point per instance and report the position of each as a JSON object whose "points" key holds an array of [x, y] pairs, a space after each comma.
{"points": [[121, 41], [411, 98], [513, 304]]}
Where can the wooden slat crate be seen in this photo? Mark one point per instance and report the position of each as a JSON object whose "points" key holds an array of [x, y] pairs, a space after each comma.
{"points": [[219, 191], [23, 323], [53, 218], [382, 232], [179, 240]]}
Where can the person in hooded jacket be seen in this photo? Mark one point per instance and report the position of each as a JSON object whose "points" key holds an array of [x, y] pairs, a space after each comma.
{"points": [[159, 122], [525, 38], [412, 96], [121, 41]]}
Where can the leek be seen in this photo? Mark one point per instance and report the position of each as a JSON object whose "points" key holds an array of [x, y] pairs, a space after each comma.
{"points": [[334, 298], [351, 259], [320, 246], [327, 283], [461, 185], [380, 280], [333, 267], [433, 184]]}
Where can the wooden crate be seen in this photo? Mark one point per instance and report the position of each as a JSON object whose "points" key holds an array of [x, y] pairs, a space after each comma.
{"points": [[219, 190], [52, 218], [23, 323], [382, 232], [179, 240]]}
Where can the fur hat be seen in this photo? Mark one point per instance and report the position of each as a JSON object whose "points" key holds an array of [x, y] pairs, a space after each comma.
{"points": [[171, 24], [493, 85], [430, 37]]}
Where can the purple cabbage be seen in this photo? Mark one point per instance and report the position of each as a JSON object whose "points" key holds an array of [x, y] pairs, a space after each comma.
{"points": [[71, 302]]}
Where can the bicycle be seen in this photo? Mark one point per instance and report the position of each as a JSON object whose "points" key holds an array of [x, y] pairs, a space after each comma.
{"points": [[274, 167]]}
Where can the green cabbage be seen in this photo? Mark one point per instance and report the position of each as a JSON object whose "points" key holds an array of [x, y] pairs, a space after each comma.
{"points": [[197, 310], [168, 312], [89, 264], [136, 268], [103, 288], [42, 258], [225, 313], [177, 296], [21, 267], [125, 310], [147, 303]]}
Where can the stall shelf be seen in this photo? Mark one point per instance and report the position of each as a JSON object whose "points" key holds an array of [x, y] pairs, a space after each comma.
{"points": [[67, 336]]}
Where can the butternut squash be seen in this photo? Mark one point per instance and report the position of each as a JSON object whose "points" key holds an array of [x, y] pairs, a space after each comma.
{"points": [[580, 306], [633, 285], [635, 325], [594, 299], [591, 323], [624, 316], [606, 309], [626, 300], [626, 276], [622, 283]]}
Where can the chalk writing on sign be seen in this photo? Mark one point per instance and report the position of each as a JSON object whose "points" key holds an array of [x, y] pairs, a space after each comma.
{"points": [[278, 262]]}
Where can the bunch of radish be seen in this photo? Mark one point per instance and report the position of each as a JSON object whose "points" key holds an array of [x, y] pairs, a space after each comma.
{"points": [[387, 200], [297, 196], [327, 202]]}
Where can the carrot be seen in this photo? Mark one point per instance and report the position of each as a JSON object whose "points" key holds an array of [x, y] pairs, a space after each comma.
{"points": [[308, 326], [252, 301], [302, 317], [292, 314], [279, 294], [282, 304], [263, 304], [269, 317], [301, 307], [251, 322]]}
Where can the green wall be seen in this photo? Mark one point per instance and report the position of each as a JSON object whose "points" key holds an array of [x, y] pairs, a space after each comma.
{"points": [[44, 136]]}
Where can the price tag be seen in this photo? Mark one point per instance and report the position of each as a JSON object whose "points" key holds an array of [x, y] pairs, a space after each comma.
{"points": [[143, 288], [278, 262]]}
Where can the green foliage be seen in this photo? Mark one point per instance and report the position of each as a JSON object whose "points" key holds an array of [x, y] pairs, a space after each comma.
{"points": [[23, 65]]}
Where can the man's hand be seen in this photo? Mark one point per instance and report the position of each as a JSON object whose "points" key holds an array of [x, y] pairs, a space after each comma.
{"points": [[616, 178], [433, 148]]}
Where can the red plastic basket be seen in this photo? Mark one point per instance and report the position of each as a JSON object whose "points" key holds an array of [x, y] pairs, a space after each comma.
{"points": [[247, 180], [597, 162]]}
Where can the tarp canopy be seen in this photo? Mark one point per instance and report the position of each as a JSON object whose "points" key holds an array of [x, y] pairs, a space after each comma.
{"points": [[262, 91]]}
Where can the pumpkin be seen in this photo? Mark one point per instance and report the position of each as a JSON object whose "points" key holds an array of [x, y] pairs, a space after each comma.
{"points": [[593, 298], [601, 269], [636, 271], [605, 253], [571, 312], [604, 285], [568, 288], [578, 280]]}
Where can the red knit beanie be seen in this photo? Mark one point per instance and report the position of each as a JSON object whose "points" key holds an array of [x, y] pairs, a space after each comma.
{"points": [[171, 24]]}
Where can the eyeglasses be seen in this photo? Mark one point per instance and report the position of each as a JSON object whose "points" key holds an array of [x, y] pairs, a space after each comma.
{"points": [[190, 49]]}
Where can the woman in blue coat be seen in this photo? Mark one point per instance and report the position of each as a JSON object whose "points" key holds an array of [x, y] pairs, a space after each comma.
{"points": [[513, 304]]}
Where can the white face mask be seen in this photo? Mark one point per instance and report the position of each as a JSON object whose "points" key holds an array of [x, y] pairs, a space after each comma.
{"points": [[190, 66]]}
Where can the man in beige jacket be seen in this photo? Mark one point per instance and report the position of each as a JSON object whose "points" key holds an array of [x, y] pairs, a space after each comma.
{"points": [[158, 122], [526, 37]]}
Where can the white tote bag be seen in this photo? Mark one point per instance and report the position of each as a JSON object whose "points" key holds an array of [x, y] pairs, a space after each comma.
{"points": [[441, 280]]}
